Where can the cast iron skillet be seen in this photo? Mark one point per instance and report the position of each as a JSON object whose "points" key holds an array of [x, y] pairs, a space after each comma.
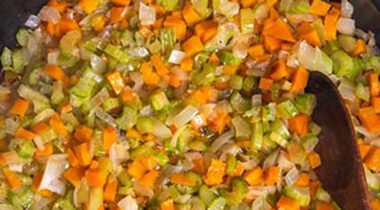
{"points": [[341, 172]]}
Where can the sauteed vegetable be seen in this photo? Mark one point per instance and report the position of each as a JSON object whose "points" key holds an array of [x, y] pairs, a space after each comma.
{"points": [[179, 104]]}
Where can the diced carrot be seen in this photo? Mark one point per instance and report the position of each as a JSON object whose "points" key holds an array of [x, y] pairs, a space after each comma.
{"points": [[213, 59], [256, 50], [239, 170], [314, 159], [286, 203], [13, 178], [88, 6], [47, 151], [56, 73], [190, 15], [254, 176], [230, 69], [96, 177], [319, 7], [150, 178], [271, 175], [273, 13], [117, 14], [20, 107], [220, 121], [178, 24], [159, 65], [116, 81], [314, 185], [65, 25], [271, 43], [24, 134], [133, 133], [74, 175], [375, 102], [182, 179], [109, 137], [110, 190], [265, 83], [167, 205], [121, 2], [331, 22], [187, 64], [58, 126], [323, 206], [372, 159], [82, 153], [83, 133], [271, 3], [369, 119], [202, 27], [287, 46], [209, 34], [71, 157], [299, 80], [364, 150], [145, 31], [244, 143], [40, 128], [278, 29], [215, 172], [360, 47], [149, 77], [374, 84], [174, 81], [193, 46], [248, 3], [299, 124], [375, 204], [98, 22], [280, 71], [60, 6], [303, 180], [150, 162], [306, 32], [136, 169], [37, 180]]}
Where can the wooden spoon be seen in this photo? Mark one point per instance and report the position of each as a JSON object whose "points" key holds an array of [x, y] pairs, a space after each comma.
{"points": [[341, 172]]}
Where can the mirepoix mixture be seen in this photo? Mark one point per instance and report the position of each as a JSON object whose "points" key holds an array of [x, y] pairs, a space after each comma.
{"points": [[179, 104]]}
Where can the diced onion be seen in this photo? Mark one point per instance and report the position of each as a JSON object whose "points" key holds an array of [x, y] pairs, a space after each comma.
{"points": [[128, 203], [51, 180], [347, 9], [39, 143], [107, 118], [256, 100], [166, 174], [11, 126], [271, 159], [138, 80], [32, 22], [147, 14], [176, 57], [292, 176], [221, 140], [142, 190], [185, 116], [118, 153], [160, 130], [346, 26], [49, 14], [347, 90]]}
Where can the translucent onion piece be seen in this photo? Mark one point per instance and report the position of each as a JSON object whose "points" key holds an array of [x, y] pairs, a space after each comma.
{"points": [[147, 14], [39, 143], [176, 57], [142, 190], [314, 59], [347, 90], [32, 22], [107, 118], [221, 140], [11, 126], [256, 100], [11, 158], [99, 98], [128, 203], [271, 159], [185, 116], [292, 176], [118, 153], [138, 80], [347, 9], [51, 180], [166, 174], [346, 26], [160, 130], [49, 14]]}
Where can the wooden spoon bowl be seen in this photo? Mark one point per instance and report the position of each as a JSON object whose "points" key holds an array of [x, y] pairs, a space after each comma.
{"points": [[341, 172]]}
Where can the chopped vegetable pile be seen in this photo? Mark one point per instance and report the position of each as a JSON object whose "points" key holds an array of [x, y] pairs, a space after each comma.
{"points": [[180, 104]]}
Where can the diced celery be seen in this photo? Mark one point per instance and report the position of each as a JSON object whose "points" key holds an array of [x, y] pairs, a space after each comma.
{"points": [[310, 142], [127, 119], [314, 59], [39, 101], [110, 104], [231, 164], [238, 192], [141, 151], [226, 8], [201, 6], [200, 59], [221, 39], [91, 45], [34, 76], [305, 103], [69, 41], [315, 129], [25, 196], [229, 59], [169, 5], [67, 60], [246, 20], [322, 195], [197, 145], [268, 145], [22, 36], [206, 76], [239, 103], [285, 5], [275, 91], [158, 100], [279, 127], [57, 95], [348, 43], [26, 149], [300, 194], [268, 112], [18, 61], [249, 84], [236, 82], [257, 136], [345, 65], [287, 109], [373, 180], [6, 58], [276, 137], [14, 199], [362, 92], [153, 44], [206, 194], [139, 39], [217, 204], [116, 53], [95, 198], [242, 128], [126, 38], [144, 125], [168, 39], [374, 63], [299, 7], [162, 158]]}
